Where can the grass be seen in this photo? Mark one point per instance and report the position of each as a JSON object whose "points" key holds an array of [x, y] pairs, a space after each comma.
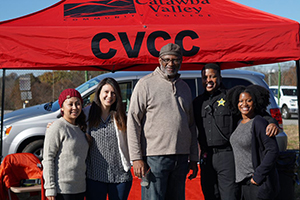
{"points": [[293, 136], [293, 144]]}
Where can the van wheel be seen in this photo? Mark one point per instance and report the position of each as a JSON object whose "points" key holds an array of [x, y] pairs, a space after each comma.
{"points": [[36, 148], [285, 112]]}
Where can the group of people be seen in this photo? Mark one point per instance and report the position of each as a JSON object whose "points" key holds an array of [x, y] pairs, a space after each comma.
{"points": [[160, 138]]}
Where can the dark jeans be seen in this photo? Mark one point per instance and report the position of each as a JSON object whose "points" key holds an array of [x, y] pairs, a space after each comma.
{"points": [[167, 177], [249, 191], [79, 196], [97, 190], [218, 176]]}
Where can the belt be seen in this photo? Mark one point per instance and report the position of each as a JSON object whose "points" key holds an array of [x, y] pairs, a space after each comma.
{"points": [[219, 149]]}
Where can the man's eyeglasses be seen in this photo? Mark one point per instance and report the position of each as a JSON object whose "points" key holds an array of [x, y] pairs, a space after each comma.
{"points": [[167, 61]]}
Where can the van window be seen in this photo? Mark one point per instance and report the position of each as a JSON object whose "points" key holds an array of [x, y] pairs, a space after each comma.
{"points": [[275, 92], [88, 100], [289, 92], [126, 91], [192, 85], [231, 82]]}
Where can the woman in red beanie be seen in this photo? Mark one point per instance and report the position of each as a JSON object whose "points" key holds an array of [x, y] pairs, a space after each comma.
{"points": [[108, 165], [65, 151]]}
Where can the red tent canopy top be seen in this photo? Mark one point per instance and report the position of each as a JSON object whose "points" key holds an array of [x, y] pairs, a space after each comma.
{"points": [[127, 35]]}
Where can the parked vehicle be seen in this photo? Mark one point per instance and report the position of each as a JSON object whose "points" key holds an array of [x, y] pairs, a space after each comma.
{"points": [[25, 128], [287, 102]]}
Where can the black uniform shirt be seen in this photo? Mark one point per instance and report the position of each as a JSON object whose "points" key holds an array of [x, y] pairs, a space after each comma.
{"points": [[213, 116]]}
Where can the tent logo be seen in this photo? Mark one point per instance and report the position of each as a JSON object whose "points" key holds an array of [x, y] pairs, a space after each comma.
{"points": [[99, 8]]}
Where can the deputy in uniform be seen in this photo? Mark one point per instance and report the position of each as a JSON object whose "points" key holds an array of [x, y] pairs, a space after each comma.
{"points": [[215, 123]]}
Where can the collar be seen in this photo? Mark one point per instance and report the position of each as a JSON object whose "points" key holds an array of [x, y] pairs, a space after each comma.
{"points": [[221, 89]]}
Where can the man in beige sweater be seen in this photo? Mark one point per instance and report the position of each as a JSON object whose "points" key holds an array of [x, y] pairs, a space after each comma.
{"points": [[161, 131]]}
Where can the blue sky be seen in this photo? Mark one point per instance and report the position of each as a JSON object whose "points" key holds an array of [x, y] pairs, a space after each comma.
{"points": [[285, 8], [10, 9]]}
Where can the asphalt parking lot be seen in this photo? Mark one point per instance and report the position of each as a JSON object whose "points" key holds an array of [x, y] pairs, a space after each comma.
{"points": [[292, 121]]}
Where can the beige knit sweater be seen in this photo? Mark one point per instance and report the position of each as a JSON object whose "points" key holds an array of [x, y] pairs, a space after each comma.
{"points": [[160, 118], [65, 152]]}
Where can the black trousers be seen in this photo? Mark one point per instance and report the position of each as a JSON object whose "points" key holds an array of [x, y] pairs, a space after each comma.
{"points": [[218, 176], [249, 191]]}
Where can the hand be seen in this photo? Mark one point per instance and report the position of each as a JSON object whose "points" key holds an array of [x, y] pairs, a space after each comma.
{"points": [[49, 124], [253, 182], [272, 130], [51, 198], [139, 168], [193, 166]]}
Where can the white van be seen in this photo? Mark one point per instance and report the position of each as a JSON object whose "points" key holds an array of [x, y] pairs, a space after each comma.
{"points": [[287, 102], [25, 128]]}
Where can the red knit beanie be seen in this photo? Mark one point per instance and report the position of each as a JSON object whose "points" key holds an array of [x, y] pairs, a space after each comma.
{"points": [[68, 93]]}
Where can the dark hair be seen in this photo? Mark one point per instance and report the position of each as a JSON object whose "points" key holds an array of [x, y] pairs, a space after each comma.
{"points": [[81, 121], [259, 94], [94, 118], [211, 66]]}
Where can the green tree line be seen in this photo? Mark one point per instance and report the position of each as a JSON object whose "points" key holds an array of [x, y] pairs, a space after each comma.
{"points": [[44, 88]]}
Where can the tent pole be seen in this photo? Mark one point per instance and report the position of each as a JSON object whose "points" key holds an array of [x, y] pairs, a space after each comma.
{"points": [[2, 113], [298, 95]]}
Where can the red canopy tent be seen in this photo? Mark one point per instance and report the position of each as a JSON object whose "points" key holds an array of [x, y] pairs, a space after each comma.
{"points": [[127, 35], [116, 35]]}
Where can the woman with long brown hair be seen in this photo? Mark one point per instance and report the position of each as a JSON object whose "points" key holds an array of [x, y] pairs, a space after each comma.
{"points": [[108, 165]]}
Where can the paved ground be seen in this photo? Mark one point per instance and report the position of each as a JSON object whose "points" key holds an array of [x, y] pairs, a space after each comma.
{"points": [[292, 121]]}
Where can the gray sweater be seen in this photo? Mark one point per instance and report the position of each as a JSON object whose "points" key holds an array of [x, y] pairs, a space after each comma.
{"points": [[241, 143], [65, 152], [160, 118]]}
